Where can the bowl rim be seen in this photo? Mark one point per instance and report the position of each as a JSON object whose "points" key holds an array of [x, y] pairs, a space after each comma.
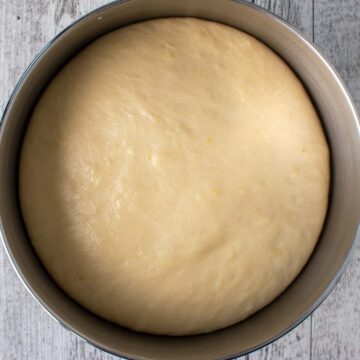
{"points": [[58, 318]]}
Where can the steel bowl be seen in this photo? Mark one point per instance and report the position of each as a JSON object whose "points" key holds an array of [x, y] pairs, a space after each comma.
{"points": [[326, 264]]}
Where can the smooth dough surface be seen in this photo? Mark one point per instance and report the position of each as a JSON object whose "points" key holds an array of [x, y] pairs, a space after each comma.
{"points": [[174, 176]]}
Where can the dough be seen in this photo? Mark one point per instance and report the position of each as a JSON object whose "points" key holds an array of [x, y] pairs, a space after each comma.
{"points": [[174, 176]]}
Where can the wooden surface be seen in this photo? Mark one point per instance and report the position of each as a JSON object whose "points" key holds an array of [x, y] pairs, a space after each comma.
{"points": [[26, 332]]}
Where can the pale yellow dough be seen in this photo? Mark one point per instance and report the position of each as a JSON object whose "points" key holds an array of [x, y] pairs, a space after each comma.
{"points": [[174, 176]]}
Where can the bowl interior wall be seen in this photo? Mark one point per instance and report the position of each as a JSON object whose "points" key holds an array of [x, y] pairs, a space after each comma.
{"points": [[306, 292]]}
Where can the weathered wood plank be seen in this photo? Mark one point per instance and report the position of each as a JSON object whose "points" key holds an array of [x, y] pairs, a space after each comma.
{"points": [[336, 324], [26, 332]]}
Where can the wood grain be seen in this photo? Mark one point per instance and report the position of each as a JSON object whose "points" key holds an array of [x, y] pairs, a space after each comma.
{"points": [[27, 332]]}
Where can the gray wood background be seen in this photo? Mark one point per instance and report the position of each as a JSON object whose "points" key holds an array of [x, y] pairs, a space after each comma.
{"points": [[26, 332]]}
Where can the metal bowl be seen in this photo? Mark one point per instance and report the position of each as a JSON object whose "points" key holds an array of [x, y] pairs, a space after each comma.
{"points": [[332, 252]]}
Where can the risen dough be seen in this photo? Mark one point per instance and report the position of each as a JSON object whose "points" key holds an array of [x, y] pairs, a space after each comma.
{"points": [[174, 176]]}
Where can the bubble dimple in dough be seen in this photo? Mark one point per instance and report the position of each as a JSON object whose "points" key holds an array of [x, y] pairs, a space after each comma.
{"points": [[174, 176]]}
